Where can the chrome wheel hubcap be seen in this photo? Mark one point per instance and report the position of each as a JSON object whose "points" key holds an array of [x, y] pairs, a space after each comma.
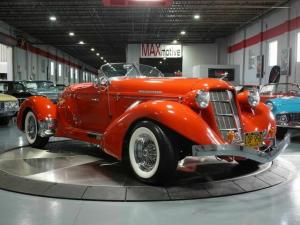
{"points": [[31, 127], [145, 152]]}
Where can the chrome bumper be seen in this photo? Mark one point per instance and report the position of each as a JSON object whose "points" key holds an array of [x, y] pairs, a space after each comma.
{"points": [[242, 151], [47, 127]]}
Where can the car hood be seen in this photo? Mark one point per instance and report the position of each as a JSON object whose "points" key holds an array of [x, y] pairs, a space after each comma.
{"points": [[165, 86], [286, 104], [5, 98]]}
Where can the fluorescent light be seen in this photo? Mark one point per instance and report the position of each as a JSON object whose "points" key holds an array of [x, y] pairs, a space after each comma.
{"points": [[273, 53], [92, 49], [71, 34], [52, 18], [183, 32], [196, 17], [81, 42], [298, 47], [97, 54], [175, 42]]}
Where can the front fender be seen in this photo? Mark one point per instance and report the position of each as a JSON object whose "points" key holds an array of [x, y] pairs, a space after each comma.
{"points": [[178, 117], [259, 118], [41, 106]]}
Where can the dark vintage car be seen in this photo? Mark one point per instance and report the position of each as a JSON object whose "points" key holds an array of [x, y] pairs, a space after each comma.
{"points": [[24, 89], [16, 89], [60, 87]]}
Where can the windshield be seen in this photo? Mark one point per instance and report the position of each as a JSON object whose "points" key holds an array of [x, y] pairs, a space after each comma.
{"points": [[3, 87], [280, 89], [38, 84], [130, 70]]}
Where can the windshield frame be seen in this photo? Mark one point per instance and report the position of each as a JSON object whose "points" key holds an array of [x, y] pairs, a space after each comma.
{"points": [[135, 66], [49, 84], [276, 88]]}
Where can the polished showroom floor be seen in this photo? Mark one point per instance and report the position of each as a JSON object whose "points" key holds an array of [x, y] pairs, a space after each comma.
{"points": [[275, 205]]}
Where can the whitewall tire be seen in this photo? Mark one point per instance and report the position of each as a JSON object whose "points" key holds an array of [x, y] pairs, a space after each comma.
{"points": [[31, 128], [151, 155]]}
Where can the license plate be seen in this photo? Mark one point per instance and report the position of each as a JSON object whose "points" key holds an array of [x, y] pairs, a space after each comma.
{"points": [[254, 139]]}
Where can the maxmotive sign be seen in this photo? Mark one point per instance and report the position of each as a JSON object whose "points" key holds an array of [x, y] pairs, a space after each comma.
{"points": [[161, 51]]}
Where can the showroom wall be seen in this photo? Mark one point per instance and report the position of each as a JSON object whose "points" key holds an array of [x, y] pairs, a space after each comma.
{"points": [[283, 26], [193, 54], [44, 62]]}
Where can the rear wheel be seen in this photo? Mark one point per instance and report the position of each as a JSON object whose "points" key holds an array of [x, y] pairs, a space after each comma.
{"points": [[4, 121], [151, 155], [32, 131]]}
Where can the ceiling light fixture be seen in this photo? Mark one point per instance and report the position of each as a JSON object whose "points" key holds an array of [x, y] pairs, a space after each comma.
{"points": [[102, 58], [105, 61], [160, 62], [197, 17], [175, 42], [81, 42], [164, 58], [71, 34], [52, 18], [92, 49], [183, 32], [97, 54]]}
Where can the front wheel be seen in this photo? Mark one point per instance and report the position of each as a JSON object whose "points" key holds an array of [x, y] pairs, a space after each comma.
{"points": [[151, 155], [32, 131]]}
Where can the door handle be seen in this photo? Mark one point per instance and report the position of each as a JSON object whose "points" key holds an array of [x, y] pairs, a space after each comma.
{"points": [[95, 99]]}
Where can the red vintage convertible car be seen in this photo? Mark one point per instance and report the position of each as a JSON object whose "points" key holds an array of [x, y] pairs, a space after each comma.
{"points": [[152, 122]]}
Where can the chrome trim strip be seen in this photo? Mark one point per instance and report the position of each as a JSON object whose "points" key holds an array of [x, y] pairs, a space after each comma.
{"points": [[241, 151], [288, 126], [150, 92], [133, 105]]}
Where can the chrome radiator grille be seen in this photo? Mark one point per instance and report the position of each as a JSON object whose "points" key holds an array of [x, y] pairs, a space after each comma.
{"points": [[226, 113], [295, 117]]}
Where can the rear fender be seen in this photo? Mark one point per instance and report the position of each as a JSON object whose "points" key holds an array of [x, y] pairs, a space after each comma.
{"points": [[173, 115], [42, 107]]}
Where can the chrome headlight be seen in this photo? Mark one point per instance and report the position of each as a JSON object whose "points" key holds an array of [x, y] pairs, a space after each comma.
{"points": [[11, 106], [202, 99], [253, 98], [283, 118], [270, 105]]}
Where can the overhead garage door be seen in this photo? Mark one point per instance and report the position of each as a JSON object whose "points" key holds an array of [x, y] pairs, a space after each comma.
{"points": [[5, 62]]}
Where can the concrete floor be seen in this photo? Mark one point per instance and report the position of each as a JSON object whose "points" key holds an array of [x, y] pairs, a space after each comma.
{"points": [[277, 205]]}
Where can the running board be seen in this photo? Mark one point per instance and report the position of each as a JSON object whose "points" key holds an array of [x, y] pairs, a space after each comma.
{"points": [[93, 135]]}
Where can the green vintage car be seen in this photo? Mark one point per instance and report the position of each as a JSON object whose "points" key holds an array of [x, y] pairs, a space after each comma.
{"points": [[9, 106]]}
